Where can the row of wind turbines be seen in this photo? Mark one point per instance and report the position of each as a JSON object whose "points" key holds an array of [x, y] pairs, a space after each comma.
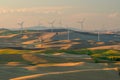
{"points": [[81, 23]]}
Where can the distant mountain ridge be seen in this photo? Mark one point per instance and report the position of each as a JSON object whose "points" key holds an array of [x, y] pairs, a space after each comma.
{"points": [[36, 28], [3, 29]]}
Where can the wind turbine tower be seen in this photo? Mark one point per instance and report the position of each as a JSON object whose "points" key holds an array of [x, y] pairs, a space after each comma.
{"points": [[98, 36], [39, 25], [21, 27], [60, 24], [68, 33], [81, 22], [52, 25]]}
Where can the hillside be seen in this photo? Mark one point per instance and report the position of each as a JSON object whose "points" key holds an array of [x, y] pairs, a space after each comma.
{"points": [[56, 39]]}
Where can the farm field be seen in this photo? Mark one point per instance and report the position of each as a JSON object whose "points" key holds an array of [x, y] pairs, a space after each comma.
{"points": [[51, 64]]}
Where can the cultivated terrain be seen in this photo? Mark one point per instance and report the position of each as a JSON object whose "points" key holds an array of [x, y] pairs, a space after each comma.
{"points": [[57, 55]]}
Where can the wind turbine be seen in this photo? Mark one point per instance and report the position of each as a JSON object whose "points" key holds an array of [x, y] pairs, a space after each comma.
{"points": [[41, 32], [60, 24], [68, 33], [21, 26], [52, 25], [39, 25], [81, 22], [98, 36]]}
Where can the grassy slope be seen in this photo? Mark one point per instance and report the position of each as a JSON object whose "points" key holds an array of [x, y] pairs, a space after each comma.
{"points": [[97, 55]]}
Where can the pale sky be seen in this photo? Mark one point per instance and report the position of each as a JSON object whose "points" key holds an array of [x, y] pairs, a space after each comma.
{"points": [[98, 14]]}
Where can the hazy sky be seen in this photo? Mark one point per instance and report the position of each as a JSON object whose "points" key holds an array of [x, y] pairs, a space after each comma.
{"points": [[98, 14]]}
